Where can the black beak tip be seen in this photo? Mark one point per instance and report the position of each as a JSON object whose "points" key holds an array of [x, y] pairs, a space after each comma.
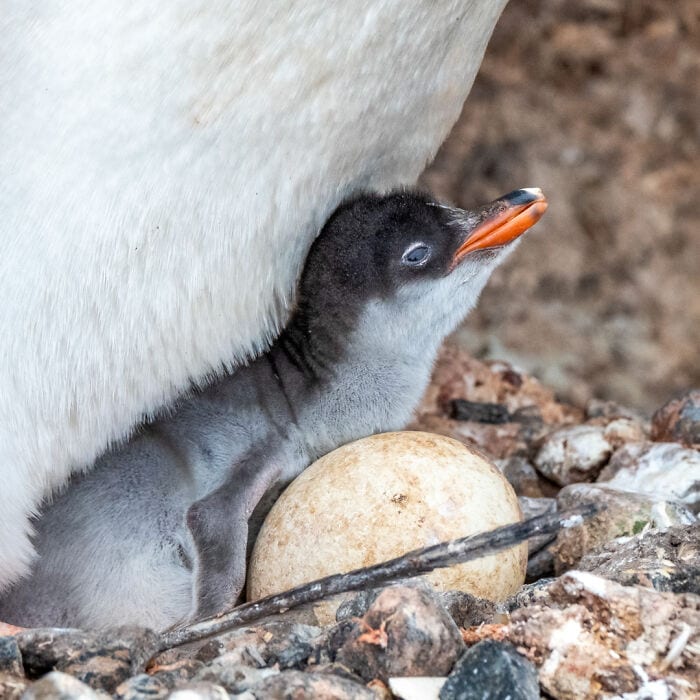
{"points": [[524, 196]]}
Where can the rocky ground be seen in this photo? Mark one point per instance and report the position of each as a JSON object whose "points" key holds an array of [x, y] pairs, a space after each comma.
{"points": [[595, 101], [611, 608]]}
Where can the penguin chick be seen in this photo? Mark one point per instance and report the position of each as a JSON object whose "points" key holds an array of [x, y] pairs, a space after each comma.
{"points": [[156, 534]]}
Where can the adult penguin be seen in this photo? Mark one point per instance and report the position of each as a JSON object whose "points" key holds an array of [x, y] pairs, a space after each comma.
{"points": [[165, 167]]}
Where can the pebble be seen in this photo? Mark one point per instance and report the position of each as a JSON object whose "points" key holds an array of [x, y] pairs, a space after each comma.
{"points": [[664, 470], [159, 681], [664, 560], [678, 420], [405, 632], [573, 454], [234, 677], [199, 691], [61, 686], [609, 410], [534, 593], [417, 687], [620, 431], [492, 670], [595, 638], [242, 644], [467, 610], [142, 686], [358, 604], [288, 645], [10, 657], [12, 687], [624, 514], [276, 641], [310, 686], [102, 660]]}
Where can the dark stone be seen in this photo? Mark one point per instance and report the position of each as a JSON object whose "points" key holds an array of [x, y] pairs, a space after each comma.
{"points": [[333, 640], [479, 412], [10, 656], [288, 645], [678, 420], [540, 565], [357, 605], [664, 560], [405, 632], [310, 686], [492, 671], [522, 476], [468, 610], [102, 660]]}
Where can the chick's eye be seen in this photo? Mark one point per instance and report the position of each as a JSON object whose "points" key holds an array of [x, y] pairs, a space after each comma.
{"points": [[416, 255]]}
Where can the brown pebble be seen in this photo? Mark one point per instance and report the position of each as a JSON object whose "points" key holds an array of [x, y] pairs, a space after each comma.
{"points": [[678, 420], [405, 632]]}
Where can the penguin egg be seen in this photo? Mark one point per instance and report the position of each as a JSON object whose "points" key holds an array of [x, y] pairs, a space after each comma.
{"points": [[380, 497]]}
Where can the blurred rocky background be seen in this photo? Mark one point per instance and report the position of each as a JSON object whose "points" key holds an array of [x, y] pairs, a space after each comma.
{"points": [[597, 102]]}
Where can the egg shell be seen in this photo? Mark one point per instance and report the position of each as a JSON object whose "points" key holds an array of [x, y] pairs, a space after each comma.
{"points": [[380, 497]]}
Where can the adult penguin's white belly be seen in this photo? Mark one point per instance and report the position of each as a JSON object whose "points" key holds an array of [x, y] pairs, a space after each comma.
{"points": [[164, 167]]}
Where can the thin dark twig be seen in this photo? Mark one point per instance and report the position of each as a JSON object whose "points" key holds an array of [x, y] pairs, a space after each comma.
{"points": [[414, 563]]}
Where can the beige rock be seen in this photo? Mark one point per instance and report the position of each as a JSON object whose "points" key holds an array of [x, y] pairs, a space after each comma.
{"points": [[624, 514], [12, 687], [678, 420], [594, 638], [61, 686], [380, 497], [665, 560], [574, 454], [659, 469], [620, 431]]}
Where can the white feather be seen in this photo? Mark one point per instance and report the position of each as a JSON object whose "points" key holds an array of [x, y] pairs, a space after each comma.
{"points": [[165, 166]]}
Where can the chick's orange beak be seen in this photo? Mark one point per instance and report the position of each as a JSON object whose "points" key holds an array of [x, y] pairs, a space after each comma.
{"points": [[505, 220]]}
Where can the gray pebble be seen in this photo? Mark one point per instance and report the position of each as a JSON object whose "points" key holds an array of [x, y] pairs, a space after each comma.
{"points": [[491, 670]]}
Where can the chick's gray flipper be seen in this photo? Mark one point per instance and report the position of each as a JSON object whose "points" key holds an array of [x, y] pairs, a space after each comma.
{"points": [[218, 524]]}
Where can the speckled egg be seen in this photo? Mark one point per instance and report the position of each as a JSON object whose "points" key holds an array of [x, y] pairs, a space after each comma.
{"points": [[380, 497]]}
